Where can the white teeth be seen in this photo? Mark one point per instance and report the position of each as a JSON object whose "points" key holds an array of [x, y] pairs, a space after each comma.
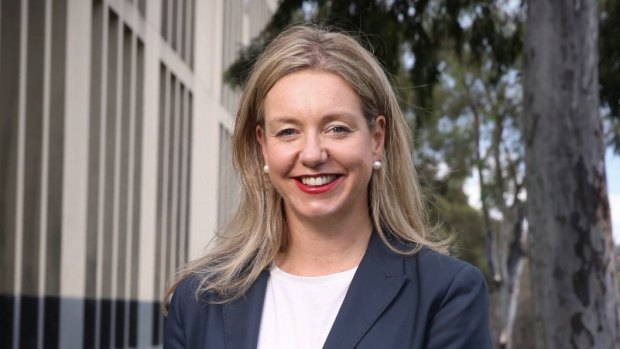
{"points": [[317, 181]]}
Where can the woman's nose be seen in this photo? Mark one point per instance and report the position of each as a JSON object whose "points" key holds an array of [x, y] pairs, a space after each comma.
{"points": [[313, 152]]}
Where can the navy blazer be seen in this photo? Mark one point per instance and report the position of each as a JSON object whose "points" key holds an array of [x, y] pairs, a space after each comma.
{"points": [[427, 300]]}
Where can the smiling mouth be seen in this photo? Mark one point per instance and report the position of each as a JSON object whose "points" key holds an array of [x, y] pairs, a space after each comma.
{"points": [[318, 180]]}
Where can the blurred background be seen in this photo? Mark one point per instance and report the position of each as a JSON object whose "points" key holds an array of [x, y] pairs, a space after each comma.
{"points": [[115, 122]]}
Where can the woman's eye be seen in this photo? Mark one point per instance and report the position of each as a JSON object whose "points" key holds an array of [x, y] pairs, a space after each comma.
{"points": [[287, 132], [338, 129]]}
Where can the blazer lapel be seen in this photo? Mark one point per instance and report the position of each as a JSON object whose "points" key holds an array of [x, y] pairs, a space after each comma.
{"points": [[242, 317], [377, 281]]}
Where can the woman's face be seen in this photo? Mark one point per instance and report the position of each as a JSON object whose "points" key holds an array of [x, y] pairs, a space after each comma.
{"points": [[318, 146]]}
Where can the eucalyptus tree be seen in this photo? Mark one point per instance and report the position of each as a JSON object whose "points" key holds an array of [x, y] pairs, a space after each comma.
{"points": [[573, 276]]}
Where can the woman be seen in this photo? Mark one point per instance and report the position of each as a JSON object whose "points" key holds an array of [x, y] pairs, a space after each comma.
{"points": [[329, 248]]}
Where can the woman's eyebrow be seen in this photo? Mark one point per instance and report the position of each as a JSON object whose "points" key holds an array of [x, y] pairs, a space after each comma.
{"points": [[338, 116], [283, 120]]}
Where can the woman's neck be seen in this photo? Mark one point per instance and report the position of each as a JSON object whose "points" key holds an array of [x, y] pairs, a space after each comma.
{"points": [[321, 248]]}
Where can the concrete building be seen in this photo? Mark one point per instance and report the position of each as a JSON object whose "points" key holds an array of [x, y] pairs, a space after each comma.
{"points": [[114, 159]]}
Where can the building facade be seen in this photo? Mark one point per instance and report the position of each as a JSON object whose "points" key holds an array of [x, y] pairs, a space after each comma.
{"points": [[114, 159]]}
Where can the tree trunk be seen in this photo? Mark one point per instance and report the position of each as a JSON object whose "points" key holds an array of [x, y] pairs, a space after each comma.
{"points": [[573, 284]]}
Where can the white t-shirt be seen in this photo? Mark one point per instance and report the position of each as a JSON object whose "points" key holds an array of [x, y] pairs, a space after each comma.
{"points": [[299, 311]]}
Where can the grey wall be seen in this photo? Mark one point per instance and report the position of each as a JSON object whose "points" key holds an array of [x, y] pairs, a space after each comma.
{"points": [[114, 159]]}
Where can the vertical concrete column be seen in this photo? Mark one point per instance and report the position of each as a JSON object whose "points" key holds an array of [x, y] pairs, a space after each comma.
{"points": [[75, 173], [205, 125], [148, 194]]}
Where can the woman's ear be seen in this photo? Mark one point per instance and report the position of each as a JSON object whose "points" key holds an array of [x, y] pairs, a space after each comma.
{"points": [[260, 137], [378, 136]]}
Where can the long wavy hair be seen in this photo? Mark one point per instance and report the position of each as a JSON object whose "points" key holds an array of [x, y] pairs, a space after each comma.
{"points": [[252, 238]]}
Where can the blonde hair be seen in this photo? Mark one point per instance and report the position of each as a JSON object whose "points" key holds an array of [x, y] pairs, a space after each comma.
{"points": [[251, 240]]}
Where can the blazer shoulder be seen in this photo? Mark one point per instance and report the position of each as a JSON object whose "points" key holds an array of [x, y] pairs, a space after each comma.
{"points": [[186, 289], [442, 274], [456, 294], [184, 300], [437, 265], [425, 265], [447, 296], [453, 295]]}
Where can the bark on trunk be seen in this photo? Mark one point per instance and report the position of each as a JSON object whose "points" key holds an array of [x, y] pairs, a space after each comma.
{"points": [[573, 284]]}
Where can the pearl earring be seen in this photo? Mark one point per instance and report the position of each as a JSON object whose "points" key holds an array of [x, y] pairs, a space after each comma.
{"points": [[376, 165], [266, 168]]}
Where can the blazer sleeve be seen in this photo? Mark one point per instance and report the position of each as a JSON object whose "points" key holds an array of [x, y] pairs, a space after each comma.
{"points": [[462, 319]]}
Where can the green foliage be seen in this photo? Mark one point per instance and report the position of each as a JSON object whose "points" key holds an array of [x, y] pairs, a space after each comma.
{"points": [[465, 224], [455, 218], [422, 28], [425, 30], [473, 129]]}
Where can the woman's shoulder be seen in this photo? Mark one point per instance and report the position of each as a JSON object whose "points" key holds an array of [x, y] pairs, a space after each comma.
{"points": [[450, 295], [436, 261], [427, 265], [186, 296], [191, 314], [442, 273]]}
